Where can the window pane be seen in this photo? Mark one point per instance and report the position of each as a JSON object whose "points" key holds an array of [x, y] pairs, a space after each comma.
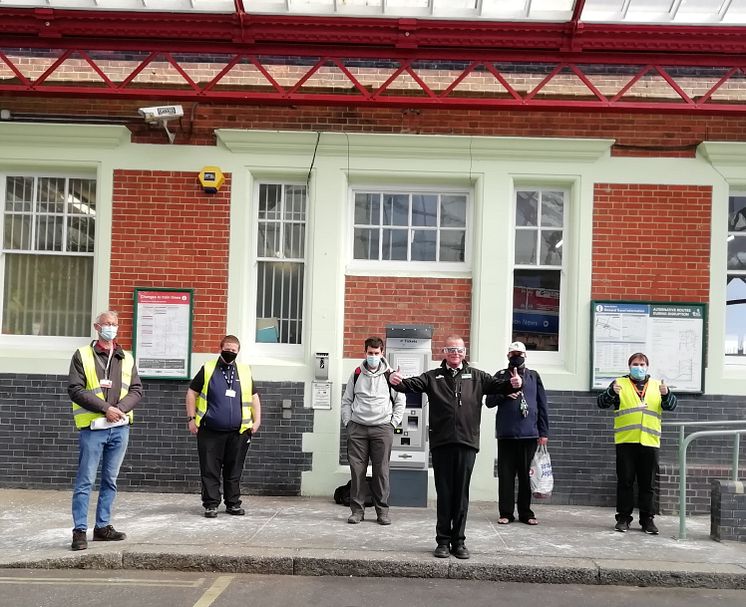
{"points": [[453, 211], [279, 302], [551, 248], [396, 210], [452, 245], [737, 252], [49, 233], [527, 204], [47, 295], [81, 197], [295, 244], [367, 209], [295, 203], [19, 194], [80, 234], [366, 243], [424, 210], [735, 316], [17, 232], [51, 195], [552, 207], [536, 306], [424, 245], [269, 201], [525, 246], [268, 240], [737, 214], [395, 245]]}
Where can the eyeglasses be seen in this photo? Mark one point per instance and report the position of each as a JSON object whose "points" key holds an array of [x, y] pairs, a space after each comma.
{"points": [[454, 350]]}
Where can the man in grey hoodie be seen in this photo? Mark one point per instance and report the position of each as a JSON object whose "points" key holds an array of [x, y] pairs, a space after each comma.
{"points": [[370, 412]]}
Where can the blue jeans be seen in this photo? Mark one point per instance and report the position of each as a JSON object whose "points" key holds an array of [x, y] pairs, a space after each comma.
{"points": [[98, 446]]}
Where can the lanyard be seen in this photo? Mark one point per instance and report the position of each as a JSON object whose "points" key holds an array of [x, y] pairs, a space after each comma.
{"points": [[108, 363], [229, 378], [640, 393]]}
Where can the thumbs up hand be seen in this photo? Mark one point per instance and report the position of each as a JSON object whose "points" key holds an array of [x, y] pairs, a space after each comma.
{"points": [[616, 387], [663, 387], [515, 379], [395, 378]]}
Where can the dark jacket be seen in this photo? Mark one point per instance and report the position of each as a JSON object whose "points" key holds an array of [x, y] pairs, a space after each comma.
{"points": [[455, 403], [509, 423], [76, 383]]}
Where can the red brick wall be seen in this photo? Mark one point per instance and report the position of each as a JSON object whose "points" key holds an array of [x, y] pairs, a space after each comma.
{"points": [[372, 302], [636, 133], [663, 255], [166, 232]]}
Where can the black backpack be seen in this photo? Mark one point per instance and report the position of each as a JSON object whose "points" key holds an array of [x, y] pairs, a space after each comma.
{"points": [[342, 493]]}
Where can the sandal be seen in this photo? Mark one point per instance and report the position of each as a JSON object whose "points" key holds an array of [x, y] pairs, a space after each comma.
{"points": [[503, 521], [531, 521]]}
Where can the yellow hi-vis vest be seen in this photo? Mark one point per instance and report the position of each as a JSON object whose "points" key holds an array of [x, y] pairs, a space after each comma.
{"points": [[244, 375], [633, 422], [84, 417]]}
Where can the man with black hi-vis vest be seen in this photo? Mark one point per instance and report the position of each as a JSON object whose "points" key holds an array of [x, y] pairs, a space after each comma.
{"points": [[223, 410], [104, 387], [639, 402]]}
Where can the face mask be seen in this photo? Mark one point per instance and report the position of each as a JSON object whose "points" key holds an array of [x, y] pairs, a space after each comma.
{"points": [[373, 361], [228, 356], [516, 361], [108, 333], [638, 372]]}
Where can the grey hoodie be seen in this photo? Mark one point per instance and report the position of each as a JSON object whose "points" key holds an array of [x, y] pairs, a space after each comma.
{"points": [[370, 404]]}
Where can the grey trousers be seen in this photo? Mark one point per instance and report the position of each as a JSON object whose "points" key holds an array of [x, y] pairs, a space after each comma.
{"points": [[369, 443]]}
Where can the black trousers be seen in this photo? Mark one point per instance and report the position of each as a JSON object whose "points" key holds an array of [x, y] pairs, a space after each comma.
{"points": [[514, 456], [452, 468], [635, 461], [221, 455]]}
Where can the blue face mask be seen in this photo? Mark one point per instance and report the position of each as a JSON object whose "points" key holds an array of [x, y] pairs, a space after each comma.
{"points": [[638, 373], [108, 333], [373, 362]]}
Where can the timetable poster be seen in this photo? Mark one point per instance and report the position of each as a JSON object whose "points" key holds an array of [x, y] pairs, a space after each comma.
{"points": [[163, 327], [670, 334]]}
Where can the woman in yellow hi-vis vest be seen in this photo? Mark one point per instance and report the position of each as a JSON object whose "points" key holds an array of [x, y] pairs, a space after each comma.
{"points": [[223, 410], [639, 402]]}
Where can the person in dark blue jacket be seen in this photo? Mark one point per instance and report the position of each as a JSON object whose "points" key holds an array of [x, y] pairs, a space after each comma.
{"points": [[521, 424]]}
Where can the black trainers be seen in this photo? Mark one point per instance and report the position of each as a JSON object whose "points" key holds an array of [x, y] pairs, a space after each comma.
{"points": [[211, 513], [649, 527], [108, 534], [460, 551], [235, 510], [80, 541], [383, 519], [442, 551], [622, 526], [355, 518]]}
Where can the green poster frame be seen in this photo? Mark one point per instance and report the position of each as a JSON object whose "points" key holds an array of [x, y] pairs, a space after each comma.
{"points": [[164, 296]]}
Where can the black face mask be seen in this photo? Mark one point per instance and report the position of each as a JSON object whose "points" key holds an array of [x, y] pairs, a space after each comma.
{"points": [[228, 356], [516, 361]]}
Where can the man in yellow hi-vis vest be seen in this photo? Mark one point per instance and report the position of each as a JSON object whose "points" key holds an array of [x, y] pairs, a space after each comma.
{"points": [[639, 402], [223, 410], [104, 387]]}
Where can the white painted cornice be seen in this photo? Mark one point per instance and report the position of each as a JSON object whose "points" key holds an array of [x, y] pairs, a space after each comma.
{"points": [[106, 136]]}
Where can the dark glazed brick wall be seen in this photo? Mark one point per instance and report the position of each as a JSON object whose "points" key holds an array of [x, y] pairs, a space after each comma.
{"points": [[38, 440], [728, 511]]}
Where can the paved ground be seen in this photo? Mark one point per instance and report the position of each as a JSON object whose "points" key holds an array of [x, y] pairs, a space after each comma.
{"points": [[305, 536]]}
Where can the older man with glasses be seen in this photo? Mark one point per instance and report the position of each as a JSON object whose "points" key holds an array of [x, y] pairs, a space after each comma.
{"points": [[454, 392]]}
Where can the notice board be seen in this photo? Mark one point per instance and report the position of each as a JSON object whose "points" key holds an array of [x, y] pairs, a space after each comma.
{"points": [[162, 343], [672, 335]]}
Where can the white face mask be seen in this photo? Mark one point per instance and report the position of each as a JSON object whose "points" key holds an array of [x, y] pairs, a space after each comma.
{"points": [[108, 333], [373, 361]]}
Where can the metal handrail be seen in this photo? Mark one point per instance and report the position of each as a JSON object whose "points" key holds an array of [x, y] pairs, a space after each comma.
{"points": [[685, 441]]}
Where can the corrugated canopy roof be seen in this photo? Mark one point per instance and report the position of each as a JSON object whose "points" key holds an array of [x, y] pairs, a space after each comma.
{"points": [[656, 12]]}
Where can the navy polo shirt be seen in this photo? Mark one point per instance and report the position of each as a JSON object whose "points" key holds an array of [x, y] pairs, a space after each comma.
{"points": [[223, 412]]}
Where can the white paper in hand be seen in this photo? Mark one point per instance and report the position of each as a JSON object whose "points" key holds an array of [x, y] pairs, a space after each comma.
{"points": [[101, 423]]}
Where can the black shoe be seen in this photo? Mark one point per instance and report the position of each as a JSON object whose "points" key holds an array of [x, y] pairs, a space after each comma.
{"points": [[235, 510], [80, 541], [622, 526], [211, 513], [460, 551], [355, 518], [383, 519], [108, 534], [442, 551], [649, 527]]}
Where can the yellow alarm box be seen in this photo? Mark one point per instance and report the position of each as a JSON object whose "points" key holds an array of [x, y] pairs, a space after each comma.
{"points": [[212, 179]]}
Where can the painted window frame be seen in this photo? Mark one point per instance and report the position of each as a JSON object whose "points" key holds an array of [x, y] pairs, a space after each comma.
{"points": [[732, 360]]}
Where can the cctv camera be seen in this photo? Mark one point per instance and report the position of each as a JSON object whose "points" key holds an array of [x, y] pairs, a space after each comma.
{"points": [[161, 113]]}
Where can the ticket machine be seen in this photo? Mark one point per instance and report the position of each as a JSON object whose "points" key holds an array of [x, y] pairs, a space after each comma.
{"points": [[409, 348]]}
